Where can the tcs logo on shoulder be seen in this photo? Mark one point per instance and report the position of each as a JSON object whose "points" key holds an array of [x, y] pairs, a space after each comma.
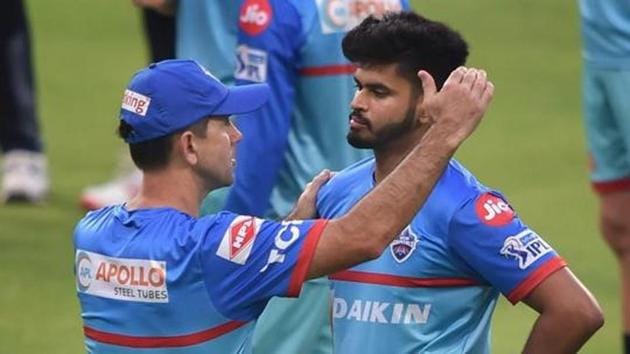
{"points": [[286, 236], [255, 16], [493, 210]]}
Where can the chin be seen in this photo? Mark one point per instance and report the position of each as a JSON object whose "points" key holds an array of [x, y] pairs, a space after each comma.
{"points": [[359, 142]]}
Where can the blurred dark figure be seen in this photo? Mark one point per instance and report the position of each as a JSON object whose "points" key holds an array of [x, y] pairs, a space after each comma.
{"points": [[24, 171], [159, 30]]}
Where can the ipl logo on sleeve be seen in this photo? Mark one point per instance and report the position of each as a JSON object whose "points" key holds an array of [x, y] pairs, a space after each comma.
{"points": [[527, 247], [403, 245], [251, 64]]}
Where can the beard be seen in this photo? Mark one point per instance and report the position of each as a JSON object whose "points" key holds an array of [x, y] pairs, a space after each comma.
{"points": [[386, 134]]}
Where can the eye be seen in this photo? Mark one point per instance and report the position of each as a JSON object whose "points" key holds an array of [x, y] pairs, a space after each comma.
{"points": [[379, 93]]}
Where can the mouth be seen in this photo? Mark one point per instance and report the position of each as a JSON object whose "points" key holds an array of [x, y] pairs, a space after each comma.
{"points": [[357, 122]]}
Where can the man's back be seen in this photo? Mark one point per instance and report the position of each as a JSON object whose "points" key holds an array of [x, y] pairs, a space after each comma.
{"points": [[158, 278]]}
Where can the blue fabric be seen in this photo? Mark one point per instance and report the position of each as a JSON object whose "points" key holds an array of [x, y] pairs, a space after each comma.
{"points": [[206, 32], [607, 121], [443, 273], [183, 275], [606, 33]]}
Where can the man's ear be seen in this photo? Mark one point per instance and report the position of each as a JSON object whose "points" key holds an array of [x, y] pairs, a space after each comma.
{"points": [[187, 147]]}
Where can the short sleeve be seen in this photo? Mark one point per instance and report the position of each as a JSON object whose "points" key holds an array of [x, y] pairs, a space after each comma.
{"points": [[489, 236], [247, 260]]}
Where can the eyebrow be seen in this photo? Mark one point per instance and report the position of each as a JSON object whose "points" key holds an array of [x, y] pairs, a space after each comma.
{"points": [[373, 86]]}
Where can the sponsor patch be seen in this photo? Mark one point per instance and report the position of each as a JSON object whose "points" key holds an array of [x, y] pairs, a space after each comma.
{"points": [[127, 279], [286, 236], [251, 64], [340, 16], [380, 312], [255, 16], [238, 240], [526, 247], [135, 103], [403, 245], [493, 210]]}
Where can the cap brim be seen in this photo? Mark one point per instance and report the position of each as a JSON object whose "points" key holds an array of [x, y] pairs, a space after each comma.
{"points": [[243, 99]]}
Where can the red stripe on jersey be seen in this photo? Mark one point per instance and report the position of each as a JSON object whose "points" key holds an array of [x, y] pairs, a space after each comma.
{"points": [[612, 186], [343, 69], [161, 342], [305, 258], [397, 280], [535, 278]]}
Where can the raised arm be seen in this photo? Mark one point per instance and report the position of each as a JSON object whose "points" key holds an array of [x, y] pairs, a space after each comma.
{"points": [[372, 224]]}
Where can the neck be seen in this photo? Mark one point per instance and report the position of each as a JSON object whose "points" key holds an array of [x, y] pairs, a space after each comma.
{"points": [[159, 190], [389, 156]]}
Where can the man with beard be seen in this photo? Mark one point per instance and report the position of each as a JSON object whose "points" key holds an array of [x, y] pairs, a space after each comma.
{"points": [[435, 288]]}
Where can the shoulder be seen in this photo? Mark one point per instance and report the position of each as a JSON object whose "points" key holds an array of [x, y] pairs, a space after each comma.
{"points": [[457, 187], [358, 173], [96, 218], [457, 184]]}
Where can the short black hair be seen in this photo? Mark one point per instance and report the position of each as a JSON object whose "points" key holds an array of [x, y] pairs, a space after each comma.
{"points": [[154, 154], [413, 42]]}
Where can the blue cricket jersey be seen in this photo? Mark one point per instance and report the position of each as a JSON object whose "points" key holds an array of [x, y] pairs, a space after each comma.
{"points": [[166, 282], [295, 46], [206, 32], [606, 33], [435, 287]]}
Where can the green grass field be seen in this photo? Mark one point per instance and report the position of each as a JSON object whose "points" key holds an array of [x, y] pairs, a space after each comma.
{"points": [[531, 147]]}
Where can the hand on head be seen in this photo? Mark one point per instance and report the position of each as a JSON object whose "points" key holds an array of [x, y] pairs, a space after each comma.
{"points": [[459, 106]]}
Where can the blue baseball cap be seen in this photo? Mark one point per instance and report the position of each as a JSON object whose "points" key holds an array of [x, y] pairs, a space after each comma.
{"points": [[173, 94]]}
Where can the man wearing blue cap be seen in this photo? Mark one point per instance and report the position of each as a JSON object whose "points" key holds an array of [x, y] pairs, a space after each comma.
{"points": [[152, 275]]}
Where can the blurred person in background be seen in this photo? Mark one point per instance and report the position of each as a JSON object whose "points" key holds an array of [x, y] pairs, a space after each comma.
{"points": [[159, 29], [24, 167], [295, 47], [606, 108], [435, 288]]}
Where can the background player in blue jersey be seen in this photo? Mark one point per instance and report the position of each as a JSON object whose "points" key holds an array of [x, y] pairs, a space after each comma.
{"points": [[435, 288], [152, 275], [606, 81], [295, 47]]}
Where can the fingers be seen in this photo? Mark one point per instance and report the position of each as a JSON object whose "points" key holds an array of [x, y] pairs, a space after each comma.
{"points": [[487, 94], [456, 76], [428, 84], [318, 180], [470, 77], [480, 83]]}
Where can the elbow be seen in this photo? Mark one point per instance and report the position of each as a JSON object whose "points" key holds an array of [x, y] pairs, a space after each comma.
{"points": [[373, 251], [587, 319], [593, 319]]}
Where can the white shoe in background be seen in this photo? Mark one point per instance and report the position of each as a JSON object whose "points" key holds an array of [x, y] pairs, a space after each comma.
{"points": [[24, 177], [117, 191]]}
